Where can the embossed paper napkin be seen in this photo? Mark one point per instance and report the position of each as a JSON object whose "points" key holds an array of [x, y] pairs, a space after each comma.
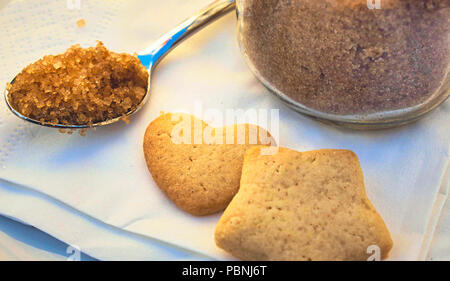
{"points": [[103, 175]]}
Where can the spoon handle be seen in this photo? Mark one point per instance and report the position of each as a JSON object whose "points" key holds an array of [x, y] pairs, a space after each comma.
{"points": [[151, 56]]}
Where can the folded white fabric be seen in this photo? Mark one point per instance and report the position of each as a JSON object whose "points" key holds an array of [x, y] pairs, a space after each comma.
{"points": [[81, 231], [11, 249], [103, 175]]}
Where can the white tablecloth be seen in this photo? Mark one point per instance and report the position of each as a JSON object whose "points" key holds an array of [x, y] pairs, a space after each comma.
{"points": [[70, 185]]}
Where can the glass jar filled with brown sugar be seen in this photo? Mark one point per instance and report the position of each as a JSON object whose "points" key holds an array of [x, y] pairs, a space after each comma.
{"points": [[356, 63]]}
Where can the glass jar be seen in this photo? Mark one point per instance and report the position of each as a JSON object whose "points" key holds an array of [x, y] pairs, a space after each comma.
{"points": [[356, 63]]}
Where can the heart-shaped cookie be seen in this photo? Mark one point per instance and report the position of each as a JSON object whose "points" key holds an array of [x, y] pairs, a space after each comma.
{"points": [[197, 166]]}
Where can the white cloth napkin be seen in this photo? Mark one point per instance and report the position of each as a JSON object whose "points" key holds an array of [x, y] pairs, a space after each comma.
{"points": [[103, 175], [440, 247]]}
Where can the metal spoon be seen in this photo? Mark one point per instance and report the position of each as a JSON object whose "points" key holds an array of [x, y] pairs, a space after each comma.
{"points": [[151, 56]]}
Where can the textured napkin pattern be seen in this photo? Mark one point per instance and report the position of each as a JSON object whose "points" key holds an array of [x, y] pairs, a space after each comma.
{"points": [[104, 176]]}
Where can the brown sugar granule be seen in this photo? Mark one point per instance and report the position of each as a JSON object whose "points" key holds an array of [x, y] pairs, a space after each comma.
{"points": [[80, 87], [81, 23], [340, 57]]}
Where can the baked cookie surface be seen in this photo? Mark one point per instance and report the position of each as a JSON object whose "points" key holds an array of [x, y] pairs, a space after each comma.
{"points": [[197, 166], [302, 206]]}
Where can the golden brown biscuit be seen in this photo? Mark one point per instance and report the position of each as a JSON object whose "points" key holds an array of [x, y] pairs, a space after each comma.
{"points": [[196, 165], [302, 206]]}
